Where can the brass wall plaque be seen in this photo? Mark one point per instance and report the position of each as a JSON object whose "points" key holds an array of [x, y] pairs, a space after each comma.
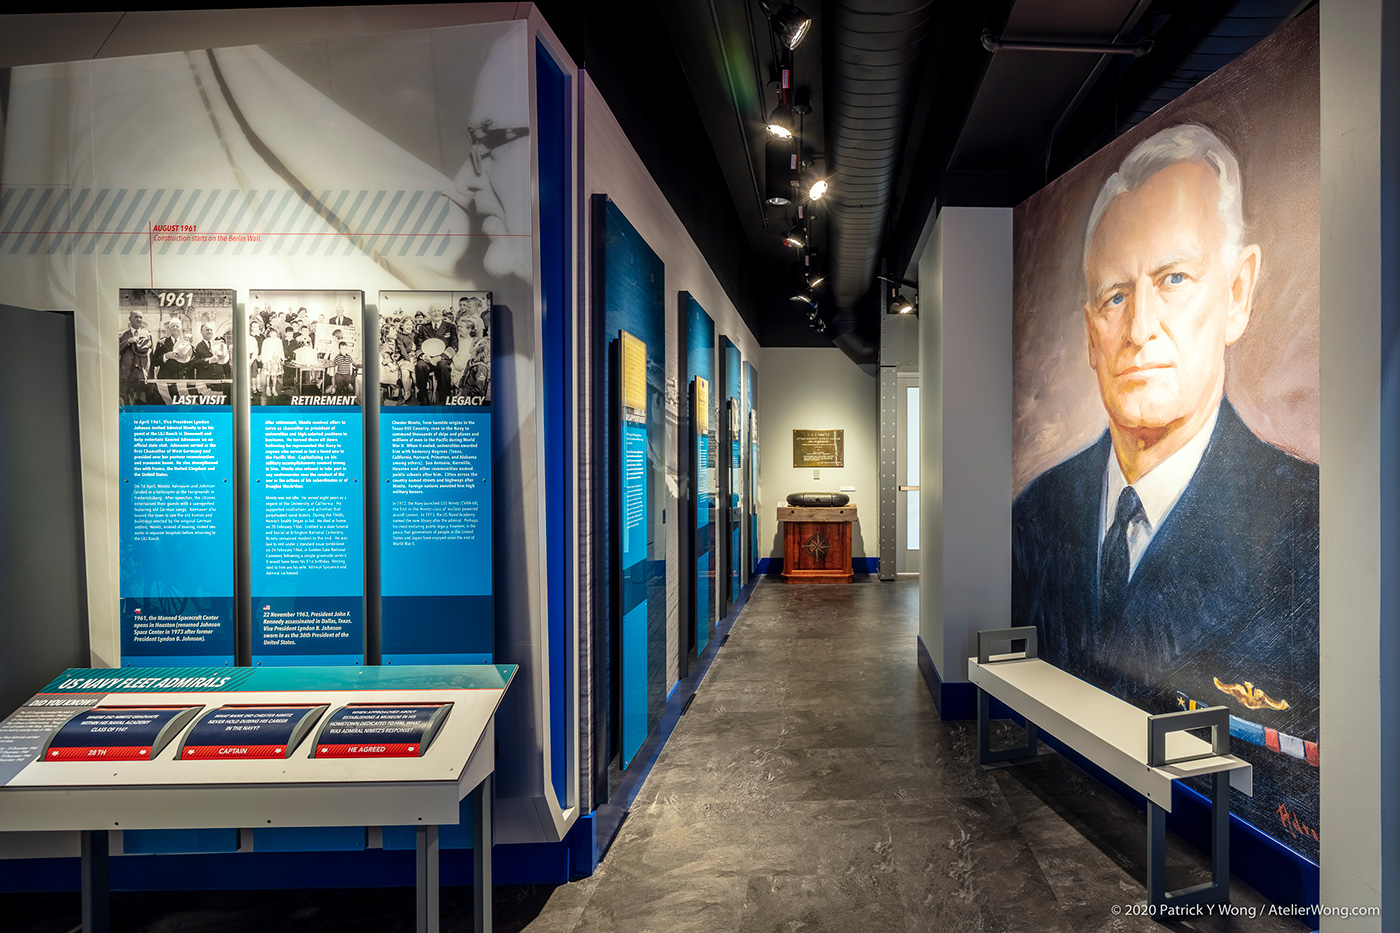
{"points": [[819, 448]]}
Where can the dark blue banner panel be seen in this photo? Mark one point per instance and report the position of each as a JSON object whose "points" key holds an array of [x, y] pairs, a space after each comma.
{"points": [[631, 282], [700, 372], [633, 561], [177, 525], [733, 458], [751, 473], [435, 471], [306, 472]]}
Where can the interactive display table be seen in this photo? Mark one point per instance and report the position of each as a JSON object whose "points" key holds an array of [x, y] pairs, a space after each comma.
{"points": [[195, 748]]}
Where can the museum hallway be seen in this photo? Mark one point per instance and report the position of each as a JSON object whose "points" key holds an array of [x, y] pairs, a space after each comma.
{"points": [[810, 786]]}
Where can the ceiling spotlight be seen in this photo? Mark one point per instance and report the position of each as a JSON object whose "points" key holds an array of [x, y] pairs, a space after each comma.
{"points": [[794, 238], [817, 281], [789, 23], [803, 297], [902, 306], [779, 124]]}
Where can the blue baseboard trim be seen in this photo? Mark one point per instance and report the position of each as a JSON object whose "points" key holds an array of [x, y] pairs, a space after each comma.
{"points": [[602, 825], [531, 863], [1271, 868], [770, 566], [954, 700]]}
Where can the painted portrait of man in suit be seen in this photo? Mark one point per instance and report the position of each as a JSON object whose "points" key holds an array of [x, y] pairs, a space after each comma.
{"points": [[1170, 557]]}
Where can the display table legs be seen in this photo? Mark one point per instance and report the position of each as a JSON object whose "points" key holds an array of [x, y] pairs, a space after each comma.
{"points": [[481, 854], [426, 902], [96, 917]]}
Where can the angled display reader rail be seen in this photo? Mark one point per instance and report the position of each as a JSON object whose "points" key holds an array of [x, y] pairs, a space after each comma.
{"points": [[103, 750]]}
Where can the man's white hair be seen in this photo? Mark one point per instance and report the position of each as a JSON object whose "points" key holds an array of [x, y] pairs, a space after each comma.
{"points": [[1187, 142]]}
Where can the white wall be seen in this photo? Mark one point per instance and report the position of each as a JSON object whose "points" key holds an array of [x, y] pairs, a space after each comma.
{"points": [[818, 388], [965, 483], [1360, 677]]}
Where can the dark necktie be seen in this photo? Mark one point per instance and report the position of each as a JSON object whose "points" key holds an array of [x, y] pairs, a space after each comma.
{"points": [[1114, 561]]}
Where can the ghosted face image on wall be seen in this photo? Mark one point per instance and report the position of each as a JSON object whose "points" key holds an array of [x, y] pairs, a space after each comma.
{"points": [[1173, 561]]}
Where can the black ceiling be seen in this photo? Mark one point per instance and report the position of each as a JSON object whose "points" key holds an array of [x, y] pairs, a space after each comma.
{"points": [[690, 82]]}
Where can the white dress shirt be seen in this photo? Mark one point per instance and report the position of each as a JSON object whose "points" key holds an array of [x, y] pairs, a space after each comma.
{"points": [[1159, 489]]}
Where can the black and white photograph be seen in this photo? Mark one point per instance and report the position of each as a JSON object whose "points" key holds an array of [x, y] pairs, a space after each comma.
{"points": [[175, 346], [434, 348], [304, 344]]}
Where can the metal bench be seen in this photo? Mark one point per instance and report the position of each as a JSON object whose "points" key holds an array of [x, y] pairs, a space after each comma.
{"points": [[1146, 752]]}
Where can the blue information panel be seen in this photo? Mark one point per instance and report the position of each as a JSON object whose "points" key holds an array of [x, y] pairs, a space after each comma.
{"points": [[306, 461], [704, 521], [435, 470], [176, 521], [704, 423], [634, 568]]}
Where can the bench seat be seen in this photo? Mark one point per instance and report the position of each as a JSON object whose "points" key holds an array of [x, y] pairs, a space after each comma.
{"points": [[1104, 729], [1146, 752]]}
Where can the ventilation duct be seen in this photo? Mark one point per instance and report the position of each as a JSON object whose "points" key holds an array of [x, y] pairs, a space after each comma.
{"points": [[874, 74]]}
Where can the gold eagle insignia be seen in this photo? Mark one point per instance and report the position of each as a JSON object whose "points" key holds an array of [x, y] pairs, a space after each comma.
{"points": [[1250, 696]]}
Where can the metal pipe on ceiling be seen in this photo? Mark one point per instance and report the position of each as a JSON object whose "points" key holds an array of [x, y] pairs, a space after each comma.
{"points": [[876, 64]]}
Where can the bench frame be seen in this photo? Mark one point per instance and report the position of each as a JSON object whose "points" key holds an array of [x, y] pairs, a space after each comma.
{"points": [[1021, 643]]}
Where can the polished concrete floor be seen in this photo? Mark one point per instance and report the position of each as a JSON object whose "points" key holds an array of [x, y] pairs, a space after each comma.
{"points": [[810, 786]]}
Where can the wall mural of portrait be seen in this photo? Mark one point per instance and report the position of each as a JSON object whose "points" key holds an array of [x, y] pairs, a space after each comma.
{"points": [[1165, 525]]}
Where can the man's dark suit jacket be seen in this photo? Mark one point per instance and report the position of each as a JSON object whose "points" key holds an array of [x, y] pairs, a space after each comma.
{"points": [[1227, 588]]}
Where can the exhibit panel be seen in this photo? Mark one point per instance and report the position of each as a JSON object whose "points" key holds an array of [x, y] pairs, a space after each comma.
{"points": [[732, 466], [700, 426], [1165, 525], [422, 177], [306, 491], [176, 461], [628, 302], [751, 497], [435, 517]]}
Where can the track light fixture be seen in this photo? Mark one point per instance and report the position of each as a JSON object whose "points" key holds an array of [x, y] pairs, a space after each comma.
{"points": [[813, 283], [903, 306], [804, 297], [779, 124], [788, 23], [796, 237]]}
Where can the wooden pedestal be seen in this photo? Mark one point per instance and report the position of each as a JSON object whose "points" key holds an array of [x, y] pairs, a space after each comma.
{"points": [[817, 544]]}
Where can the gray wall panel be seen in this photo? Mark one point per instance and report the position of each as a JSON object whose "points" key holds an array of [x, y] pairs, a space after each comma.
{"points": [[43, 603]]}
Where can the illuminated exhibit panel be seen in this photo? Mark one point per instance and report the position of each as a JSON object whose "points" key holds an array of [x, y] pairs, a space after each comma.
{"points": [[435, 518], [176, 461], [631, 523], [305, 359], [415, 180], [703, 423], [732, 462], [629, 282]]}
